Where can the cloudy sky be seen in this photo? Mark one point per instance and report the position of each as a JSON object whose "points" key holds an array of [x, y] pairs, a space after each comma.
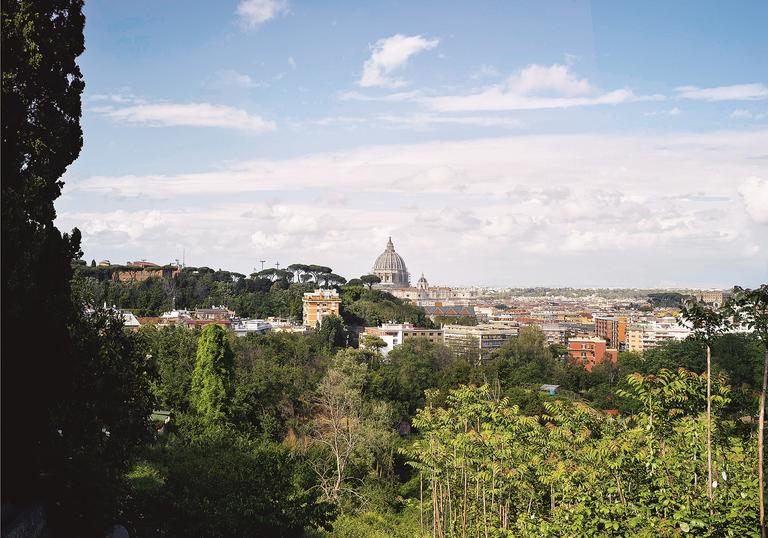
{"points": [[499, 143]]}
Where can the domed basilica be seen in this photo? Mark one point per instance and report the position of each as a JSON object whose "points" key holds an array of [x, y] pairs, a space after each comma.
{"points": [[390, 268]]}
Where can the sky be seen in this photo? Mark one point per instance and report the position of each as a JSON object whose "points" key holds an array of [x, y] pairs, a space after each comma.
{"points": [[499, 143]]}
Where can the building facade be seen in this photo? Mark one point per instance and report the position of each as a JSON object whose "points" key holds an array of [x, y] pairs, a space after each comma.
{"points": [[395, 334], [714, 298], [318, 304], [591, 351], [650, 334], [613, 329], [475, 343], [244, 327]]}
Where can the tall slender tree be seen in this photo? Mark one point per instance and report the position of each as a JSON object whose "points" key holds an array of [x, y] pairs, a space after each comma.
{"points": [[706, 324], [41, 137], [750, 307], [75, 397], [213, 376]]}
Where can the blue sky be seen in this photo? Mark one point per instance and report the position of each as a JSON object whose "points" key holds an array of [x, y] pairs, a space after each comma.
{"points": [[499, 143]]}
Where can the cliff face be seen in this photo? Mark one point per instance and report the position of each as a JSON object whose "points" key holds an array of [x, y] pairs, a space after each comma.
{"points": [[140, 275]]}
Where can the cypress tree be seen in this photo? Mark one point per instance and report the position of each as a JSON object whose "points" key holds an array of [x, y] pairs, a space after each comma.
{"points": [[212, 379]]}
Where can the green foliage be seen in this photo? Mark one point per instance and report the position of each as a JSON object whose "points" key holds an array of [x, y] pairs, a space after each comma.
{"points": [[209, 480], [173, 351], [101, 423], [213, 377], [738, 355], [524, 359], [370, 341], [409, 370], [259, 296], [369, 280], [705, 322], [750, 307], [372, 524], [351, 436], [276, 376], [331, 332], [370, 307], [667, 299], [574, 471]]}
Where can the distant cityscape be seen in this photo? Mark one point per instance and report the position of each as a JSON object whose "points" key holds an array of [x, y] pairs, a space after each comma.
{"points": [[473, 321]]}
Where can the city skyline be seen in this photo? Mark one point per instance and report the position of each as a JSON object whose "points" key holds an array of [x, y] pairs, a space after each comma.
{"points": [[584, 145]]}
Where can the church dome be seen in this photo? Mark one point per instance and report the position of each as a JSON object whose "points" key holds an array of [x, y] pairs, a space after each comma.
{"points": [[390, 267], [389, 260]]}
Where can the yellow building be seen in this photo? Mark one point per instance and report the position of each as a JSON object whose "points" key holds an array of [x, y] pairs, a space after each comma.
{"points": [[634, 340], [318, 304]]}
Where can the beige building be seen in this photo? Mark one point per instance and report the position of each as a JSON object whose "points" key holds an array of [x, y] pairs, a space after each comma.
{"points": [[634, 341], [475, 343], [713, 298], [318, 304]]}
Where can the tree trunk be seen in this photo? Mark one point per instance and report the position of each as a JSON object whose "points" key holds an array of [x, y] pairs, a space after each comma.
{"points": [[709, 425], [761, 446], [421, 503]]}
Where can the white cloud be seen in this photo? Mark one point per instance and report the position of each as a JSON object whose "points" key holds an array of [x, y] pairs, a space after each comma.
{"points": [[388, 55], [387, 98], [743, 114], [571, 59], [485, 71], [535, 79], [674, 111], [613, 209], [754, 194], [120, 98], [291, 62], [231, 77], [691, 163], [736, 92], [253, 13], [536, 87], [262, 239], [190, 115], [428, 120], [419, 121]]}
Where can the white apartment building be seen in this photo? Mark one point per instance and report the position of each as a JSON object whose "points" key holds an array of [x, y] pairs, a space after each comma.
{"points": [[394, 334], [244, 327], [476, 342], [649, 334]]}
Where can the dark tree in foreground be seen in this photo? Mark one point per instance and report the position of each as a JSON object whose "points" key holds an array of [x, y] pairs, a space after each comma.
{"points": [[41, 136], [75, 391]]}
